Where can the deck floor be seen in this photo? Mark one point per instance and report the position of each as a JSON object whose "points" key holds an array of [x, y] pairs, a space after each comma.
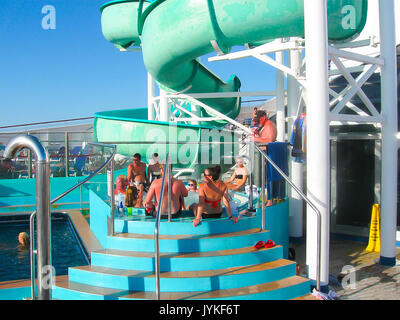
{"points": [[373, 281]]}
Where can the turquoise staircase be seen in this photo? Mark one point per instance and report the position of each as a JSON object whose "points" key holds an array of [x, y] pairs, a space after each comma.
{"points": [[216, 260]]}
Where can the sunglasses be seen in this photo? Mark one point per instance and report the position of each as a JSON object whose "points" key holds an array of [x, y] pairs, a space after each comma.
{"points": [[191, 185]]}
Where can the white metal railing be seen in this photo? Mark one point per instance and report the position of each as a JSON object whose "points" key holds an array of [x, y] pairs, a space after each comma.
{"points": [[313, 207]]}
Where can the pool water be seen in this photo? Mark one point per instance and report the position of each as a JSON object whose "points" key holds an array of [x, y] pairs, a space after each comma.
{"points": [[14, 261]]}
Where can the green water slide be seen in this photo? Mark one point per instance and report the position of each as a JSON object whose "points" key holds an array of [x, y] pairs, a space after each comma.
{"points": [[174, 33], [131, 125]]}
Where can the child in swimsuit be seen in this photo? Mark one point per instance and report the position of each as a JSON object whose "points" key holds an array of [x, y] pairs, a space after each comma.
{"points": [[211, 193]]}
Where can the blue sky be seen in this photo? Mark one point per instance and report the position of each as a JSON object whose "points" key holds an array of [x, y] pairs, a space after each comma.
{"points": [[73, 72]]}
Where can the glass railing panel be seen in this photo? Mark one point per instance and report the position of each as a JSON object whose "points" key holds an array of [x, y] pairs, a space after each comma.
{"points": [[79, 160]]}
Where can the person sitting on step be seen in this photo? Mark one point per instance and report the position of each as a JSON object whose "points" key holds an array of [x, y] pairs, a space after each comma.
{"points": [[239, 177], [179, 192], [211, 192], [121, 184], [153, 170], [137, 174]]}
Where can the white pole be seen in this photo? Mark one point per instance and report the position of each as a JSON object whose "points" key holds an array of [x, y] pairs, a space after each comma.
{"points": [[150, 97], [296, 168], [280, 99], [318, 162], [389, 130], [164, 108]]}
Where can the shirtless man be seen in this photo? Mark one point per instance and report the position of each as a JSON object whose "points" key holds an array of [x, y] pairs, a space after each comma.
{"points": [[266, 131], [178, 189], [137, 174], [137, 170]]}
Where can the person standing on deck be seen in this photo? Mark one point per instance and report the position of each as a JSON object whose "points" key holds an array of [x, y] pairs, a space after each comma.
{"points": [[266, 131]]}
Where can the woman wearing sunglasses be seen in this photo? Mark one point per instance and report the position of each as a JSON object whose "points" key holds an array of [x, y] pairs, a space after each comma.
{"points": [[211, 193], [239, 177]]}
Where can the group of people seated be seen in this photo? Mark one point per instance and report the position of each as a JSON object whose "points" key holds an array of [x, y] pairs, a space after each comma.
{"points": [[212, 193]]}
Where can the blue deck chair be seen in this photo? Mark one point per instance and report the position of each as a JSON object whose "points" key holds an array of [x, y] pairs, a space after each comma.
{"points": [[73, 158], [80, 162]]}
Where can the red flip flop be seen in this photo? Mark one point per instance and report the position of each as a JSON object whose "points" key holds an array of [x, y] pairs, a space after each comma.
{"points": [[269, 244], [259, 244]]}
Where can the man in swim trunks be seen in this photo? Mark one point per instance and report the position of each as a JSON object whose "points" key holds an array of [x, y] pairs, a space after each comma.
{"points": [[266, 130], [265, 133], [137, 170], [137, 174], [179, 192]]}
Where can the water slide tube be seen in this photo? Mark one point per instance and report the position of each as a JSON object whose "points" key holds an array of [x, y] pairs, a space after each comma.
{"points": [[174, 33]]}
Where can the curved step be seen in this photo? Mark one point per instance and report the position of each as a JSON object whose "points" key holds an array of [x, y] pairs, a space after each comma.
{"points": [[288, 288], [208, 280], [187, 243], [196, 261], [145, 225]]}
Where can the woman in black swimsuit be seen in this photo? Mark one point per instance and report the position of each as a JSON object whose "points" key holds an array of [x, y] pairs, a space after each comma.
{"points": [[239, 177], [154, 169]]}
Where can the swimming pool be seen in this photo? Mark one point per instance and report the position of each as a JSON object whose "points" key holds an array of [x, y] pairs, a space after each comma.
{"points": [[67, 251]]}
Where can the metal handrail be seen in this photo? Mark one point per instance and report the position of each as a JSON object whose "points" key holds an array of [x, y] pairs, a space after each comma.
{"points": [[33, 214], [265, 156], [157, 227]]}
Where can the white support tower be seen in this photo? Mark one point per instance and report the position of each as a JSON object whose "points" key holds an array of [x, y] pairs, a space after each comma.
{"points": [[389, 131], [296, 168], [280, 99], [318, 153], [164, 107], [150, 97]]}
